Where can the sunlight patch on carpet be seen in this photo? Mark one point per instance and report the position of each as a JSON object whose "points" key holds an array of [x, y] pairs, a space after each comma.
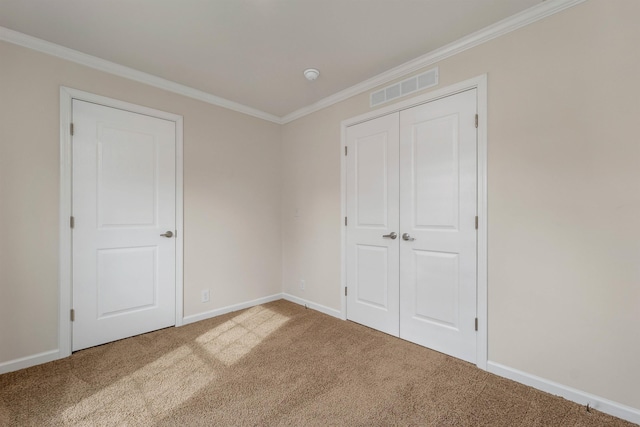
{"points": [[152, 391], [235, 338]]}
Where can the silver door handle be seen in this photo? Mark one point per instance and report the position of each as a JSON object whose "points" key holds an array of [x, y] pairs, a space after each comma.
{"points": [[167, 234], [391, 235], [407, 237]]}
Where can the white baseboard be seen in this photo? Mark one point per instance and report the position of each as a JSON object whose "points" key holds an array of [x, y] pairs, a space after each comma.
{"points": [[583, 398], [312, 305], [224, 310], [49, 356], [228, 309], [29, 361]]}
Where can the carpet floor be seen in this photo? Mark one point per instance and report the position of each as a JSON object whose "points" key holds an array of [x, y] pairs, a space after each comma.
{"points": [[270, 365]]}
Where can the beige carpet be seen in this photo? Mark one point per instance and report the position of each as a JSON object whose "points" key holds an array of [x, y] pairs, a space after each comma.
{"points": [[275, 364]]}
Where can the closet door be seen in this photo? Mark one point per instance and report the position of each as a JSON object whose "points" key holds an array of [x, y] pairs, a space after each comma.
{"points": [[373, 219], [437, 225]]}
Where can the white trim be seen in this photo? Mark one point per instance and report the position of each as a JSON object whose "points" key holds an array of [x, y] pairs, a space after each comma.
{"points": [[228, 309], [64, 251], [583, 398], [179, 222], [343, 215], [67, 95], [526, 17], [483, 231], [312, 305], [128, 73], [28, 361], [519, 20], [480, 84]]}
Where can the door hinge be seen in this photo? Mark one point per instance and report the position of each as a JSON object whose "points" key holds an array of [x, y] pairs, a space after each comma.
{"points": [[476, 121], [476, 222], [71, 128], [72, 222], [476, 323], [345, 150], [345, 221], [345, 291], [73, 315]]}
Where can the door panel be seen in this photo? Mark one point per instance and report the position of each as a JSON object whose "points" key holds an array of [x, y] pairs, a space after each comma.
{"points": [[436, 287], [372, 287], [372, 209], [371, 180], [126, 280], [126, 177], [123, 199], [435, 173], [438, 209]]}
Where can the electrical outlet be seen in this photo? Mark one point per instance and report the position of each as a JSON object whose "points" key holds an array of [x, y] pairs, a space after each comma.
{"points": [[302, 284], [205, 295]]}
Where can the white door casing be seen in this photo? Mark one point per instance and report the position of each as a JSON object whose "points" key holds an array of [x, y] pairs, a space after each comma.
{"points": [[124, 198], [373, 212], [440, 172], [438, 193]]}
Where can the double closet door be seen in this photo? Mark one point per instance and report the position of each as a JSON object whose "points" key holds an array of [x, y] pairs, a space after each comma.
{"points": [[411, 231]]}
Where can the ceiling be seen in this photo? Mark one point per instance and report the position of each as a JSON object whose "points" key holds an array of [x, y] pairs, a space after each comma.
{"points": [[253, 52]]}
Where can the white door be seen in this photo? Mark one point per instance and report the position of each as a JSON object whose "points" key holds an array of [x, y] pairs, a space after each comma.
{"points": [[124, 198], [373, 218], [438, 187], [420, 286]]}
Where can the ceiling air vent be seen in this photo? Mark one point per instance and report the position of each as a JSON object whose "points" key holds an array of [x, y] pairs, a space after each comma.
{"points": [[405, 87]]}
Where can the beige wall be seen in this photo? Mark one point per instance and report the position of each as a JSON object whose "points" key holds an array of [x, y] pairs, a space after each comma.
{"points": [[231, 196], [563, 191]]}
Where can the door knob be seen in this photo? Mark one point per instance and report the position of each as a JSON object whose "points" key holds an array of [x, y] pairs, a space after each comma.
{"points": [[167, 234], [407, 237], [391, 235]]}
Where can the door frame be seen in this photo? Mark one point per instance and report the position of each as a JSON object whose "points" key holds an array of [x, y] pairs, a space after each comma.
{"points": [[480, 84], [67, 95]]}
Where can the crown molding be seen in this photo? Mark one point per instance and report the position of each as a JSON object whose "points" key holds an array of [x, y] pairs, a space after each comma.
{"points": [[519, 20], [94, 62], [526, 17]]}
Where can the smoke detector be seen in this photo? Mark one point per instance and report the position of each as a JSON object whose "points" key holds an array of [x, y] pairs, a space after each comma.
{"points": [[311, 74]]}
